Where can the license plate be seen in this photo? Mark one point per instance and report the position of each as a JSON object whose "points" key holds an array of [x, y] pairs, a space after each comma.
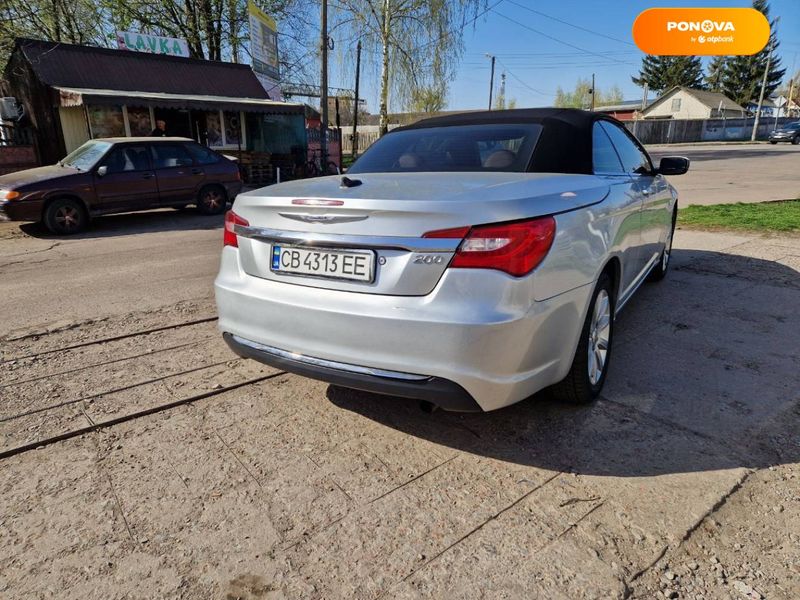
{"points": [[357, 265]]}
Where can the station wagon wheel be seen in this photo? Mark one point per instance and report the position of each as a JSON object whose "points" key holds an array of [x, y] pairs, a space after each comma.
{"points": [[212, 200], [65, 216], [587, 374]]}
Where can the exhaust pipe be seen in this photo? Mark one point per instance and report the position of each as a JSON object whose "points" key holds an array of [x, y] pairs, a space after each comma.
{"points": [[428, 407]]}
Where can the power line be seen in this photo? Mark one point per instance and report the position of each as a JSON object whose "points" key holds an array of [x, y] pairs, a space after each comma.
{"points": [[608, 37], [555, 39], [533, 89]]}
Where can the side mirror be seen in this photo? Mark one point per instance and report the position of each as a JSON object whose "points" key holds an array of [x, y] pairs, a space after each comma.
{"points": [[101, 171], [673, 165]]}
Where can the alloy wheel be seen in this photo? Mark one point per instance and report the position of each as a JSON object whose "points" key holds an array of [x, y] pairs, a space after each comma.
{"points": [[212, 200], [68, 218], [599, 336]]}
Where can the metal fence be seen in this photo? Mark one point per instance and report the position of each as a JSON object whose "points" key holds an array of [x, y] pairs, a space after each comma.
{"points": [[676, 131]]}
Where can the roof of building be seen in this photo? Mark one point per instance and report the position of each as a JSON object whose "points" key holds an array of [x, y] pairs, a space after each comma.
{"points": [[87, 67], [564, 144], [622, 106], [714, 100]]}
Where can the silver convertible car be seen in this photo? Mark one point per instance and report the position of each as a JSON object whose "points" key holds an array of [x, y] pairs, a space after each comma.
{"points": [[467, 261]]}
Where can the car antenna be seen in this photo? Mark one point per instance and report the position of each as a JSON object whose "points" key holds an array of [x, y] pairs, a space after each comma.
{"points": [[348, 183]]}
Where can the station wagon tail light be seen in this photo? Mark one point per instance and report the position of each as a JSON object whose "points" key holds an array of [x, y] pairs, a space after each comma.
{"points": [[232, 219], [514, 248]]}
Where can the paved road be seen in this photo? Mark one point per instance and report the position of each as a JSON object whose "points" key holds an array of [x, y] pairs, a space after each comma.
{"points": [[683, 478], [722, 174]]}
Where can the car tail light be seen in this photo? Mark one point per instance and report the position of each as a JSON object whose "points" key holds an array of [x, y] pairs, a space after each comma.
{"points": [[232, 219], [515, 248]]}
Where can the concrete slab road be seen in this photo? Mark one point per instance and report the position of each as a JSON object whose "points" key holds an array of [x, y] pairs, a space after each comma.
{"points": [[140, 459], [727, 173]]}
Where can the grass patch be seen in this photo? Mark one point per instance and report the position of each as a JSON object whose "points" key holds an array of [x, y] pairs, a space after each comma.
{"points": [[771, 216]]}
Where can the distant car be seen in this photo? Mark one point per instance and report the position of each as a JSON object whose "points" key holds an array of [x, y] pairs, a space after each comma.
{"points": [[788, 133], [116, 175], [468, 260]]}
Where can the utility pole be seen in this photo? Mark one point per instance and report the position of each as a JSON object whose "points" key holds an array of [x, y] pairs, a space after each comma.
{"points": [[593, 94], [323, 129], [501, 97], [355, 106], [491, 80], [644, 97], [761, 96], [791, 95]]}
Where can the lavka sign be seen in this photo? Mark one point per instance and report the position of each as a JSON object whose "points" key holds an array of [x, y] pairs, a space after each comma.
{"points": [[154, 44]]}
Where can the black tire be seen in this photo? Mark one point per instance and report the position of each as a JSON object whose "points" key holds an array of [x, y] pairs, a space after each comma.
{"points": [[212, 200], [660, 270], [773, 142], [796, 140], [65, 216], [578, 387]]}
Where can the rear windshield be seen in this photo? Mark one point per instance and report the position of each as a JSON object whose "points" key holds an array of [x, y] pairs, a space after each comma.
{"points": [[456, 148]]}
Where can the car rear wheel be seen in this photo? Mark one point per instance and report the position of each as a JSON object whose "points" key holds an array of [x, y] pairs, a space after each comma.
{"points": [[773, 142], [65, 216], [587, 374], [212, 200], [796, 140]]}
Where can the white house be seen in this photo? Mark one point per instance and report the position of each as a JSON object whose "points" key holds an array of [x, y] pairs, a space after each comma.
{"points": [[687, 103]]}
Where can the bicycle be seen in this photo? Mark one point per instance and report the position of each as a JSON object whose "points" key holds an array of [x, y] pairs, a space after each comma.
{"points": [[314, 166]]}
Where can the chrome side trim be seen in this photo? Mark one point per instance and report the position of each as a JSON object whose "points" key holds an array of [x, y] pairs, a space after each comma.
{"points": [[330, 364], [300, 238]]}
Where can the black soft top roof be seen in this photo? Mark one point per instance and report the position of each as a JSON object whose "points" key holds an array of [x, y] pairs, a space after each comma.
{"points": [[564, 146]]}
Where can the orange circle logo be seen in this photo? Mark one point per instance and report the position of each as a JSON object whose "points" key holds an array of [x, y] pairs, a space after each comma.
{"points": [[701, 31]]}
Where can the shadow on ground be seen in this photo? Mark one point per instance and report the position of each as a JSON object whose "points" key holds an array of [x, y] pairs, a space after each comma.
{"points": [[153, 221], [704, 376]]}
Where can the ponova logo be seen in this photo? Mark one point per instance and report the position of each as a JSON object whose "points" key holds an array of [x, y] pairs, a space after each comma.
{"points": [[701, 31], [706, 26]]}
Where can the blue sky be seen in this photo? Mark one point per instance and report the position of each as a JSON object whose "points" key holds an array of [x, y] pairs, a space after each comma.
{"points": [[536, 65]]}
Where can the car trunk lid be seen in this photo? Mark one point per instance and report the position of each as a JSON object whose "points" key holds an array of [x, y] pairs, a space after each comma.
{"points": [[388, 214]]}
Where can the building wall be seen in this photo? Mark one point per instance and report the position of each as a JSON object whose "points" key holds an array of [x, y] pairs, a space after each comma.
{"points": [[39, 103], [690, 108], [74, 127]]}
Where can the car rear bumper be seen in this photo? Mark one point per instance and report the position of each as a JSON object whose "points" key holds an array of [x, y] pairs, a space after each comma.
{"points": [[478, 330], [443, 393]]}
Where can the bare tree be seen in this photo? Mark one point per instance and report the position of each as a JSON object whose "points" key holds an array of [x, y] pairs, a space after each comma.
{"points": [[416, 43]]}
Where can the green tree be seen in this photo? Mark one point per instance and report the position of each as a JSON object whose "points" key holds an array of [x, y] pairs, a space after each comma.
{"points": [[661, 73], [742, 75], [715, 73], [581, 95], [429, 99], [417, 43]]}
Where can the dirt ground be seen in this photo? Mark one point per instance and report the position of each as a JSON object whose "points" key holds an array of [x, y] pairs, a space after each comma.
{"points": [[139, 458]]}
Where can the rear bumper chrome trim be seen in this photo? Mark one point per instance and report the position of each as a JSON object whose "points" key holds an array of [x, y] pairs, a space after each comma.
{"points": [[328, 364], [300, 238]]}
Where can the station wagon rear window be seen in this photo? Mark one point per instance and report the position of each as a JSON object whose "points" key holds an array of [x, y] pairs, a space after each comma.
{"points": [[504, 147]]}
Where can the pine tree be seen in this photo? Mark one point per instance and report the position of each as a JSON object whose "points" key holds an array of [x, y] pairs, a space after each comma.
{"points": [[742, 75], [661, 73], [716, 70]]}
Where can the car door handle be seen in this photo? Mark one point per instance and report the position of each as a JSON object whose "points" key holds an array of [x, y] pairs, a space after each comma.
{"points": [[197, 171], [148, 175]]}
